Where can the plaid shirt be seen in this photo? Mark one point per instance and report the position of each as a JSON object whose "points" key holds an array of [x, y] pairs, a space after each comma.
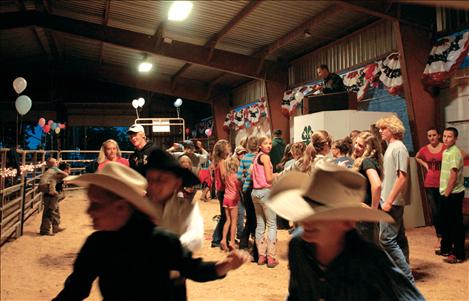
{"points": [[244, 173]]}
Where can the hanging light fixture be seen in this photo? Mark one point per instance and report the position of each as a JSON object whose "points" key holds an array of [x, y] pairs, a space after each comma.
{"points": [[145, 65], [179, 10]]}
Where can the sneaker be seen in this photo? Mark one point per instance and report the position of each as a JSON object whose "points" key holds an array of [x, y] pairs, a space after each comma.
{"points": [[272, 262], [262, 260], [58, 229], [215, 245], [440, 253], [453, 259]]}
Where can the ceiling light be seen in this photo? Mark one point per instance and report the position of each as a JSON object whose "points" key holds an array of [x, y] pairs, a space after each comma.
{"points": [[145, 65], [179, 10]]}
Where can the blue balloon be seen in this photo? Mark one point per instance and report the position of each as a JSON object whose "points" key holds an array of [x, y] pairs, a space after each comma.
{"points": [[23, 104], [54, 126]]}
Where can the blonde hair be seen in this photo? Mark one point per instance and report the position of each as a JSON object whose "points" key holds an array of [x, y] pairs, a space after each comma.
{"points": [[319, 140], [184, 158], [394, 124], [102, 154], [219, 151], [261, 140], [232, 165], [298, 149], [243, 142], [252, 144], [372, 150]]}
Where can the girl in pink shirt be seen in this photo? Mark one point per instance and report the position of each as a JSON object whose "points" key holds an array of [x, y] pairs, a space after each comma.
{"points": [[266, 230], [230, 202], [110, 152]]}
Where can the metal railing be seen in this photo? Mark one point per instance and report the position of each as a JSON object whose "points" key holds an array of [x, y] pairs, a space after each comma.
{"points": [[21, 171]]}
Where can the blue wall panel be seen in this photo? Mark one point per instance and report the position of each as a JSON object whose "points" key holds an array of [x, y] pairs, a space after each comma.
{"points": [[381, 101]]}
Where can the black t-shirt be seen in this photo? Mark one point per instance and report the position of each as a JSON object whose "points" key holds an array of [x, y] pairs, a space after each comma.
{"points": [[368, 163]]}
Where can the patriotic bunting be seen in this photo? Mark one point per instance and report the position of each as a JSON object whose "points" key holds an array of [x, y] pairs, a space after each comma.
{"points": [[246, 117], [445, 58]]}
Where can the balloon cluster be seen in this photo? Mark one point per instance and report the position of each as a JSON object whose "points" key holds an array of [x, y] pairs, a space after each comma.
{"points": [[51, 125], [138, 103], [23, 103]]}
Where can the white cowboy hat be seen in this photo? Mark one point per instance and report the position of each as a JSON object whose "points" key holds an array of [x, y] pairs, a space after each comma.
{"points": [[121, 180], [331, 193]]}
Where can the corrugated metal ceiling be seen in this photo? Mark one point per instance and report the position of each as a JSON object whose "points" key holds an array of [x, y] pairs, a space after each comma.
{"points": [[269, 21]]}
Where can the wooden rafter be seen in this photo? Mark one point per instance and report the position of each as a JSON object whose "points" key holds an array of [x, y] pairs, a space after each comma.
{"points": [[222, 60]]}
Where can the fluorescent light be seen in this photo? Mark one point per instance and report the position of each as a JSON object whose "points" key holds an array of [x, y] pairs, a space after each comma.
{"points": [[145, 66], [179, 10]]}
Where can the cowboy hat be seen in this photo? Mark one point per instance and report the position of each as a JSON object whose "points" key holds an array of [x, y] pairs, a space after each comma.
{"points": [[161, 160], [121, 180], [331, 193]]}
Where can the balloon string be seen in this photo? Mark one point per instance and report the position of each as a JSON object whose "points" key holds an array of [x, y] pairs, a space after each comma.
{"points": [[21, 128], [136, 111]]}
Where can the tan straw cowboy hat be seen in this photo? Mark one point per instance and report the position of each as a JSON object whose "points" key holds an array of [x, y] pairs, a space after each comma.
{"points": [[331, 193], [121, 180]]}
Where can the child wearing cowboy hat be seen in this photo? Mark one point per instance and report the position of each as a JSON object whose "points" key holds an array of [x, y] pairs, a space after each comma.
{"points": [[328, 259], [131, 258]]}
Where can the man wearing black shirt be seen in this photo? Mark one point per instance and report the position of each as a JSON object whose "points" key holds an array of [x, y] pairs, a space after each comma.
{"points": [[143, 148], [332, 82]]}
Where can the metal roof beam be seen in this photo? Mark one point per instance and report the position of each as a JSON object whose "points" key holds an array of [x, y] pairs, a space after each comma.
{"points": [[226, 61], [105, 21], [361, 9], [212, 43], [248, 9], [299, 31]]}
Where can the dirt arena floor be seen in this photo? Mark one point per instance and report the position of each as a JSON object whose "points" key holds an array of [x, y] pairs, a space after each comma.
{"points": [[34, 267]]}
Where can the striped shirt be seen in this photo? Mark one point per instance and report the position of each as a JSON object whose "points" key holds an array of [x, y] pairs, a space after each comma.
{"points": [[244, 173]]}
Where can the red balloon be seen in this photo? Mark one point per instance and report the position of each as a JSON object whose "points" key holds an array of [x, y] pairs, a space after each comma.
{"points": [[62, 126], [188, 130], [46, 128], [50, 122]]}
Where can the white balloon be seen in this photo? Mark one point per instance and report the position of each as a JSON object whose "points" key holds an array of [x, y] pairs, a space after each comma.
{"points": [[19, 84], [178, 103], [57, 130], [141, 102], [135, 103], [299, 96], [23, 104]]}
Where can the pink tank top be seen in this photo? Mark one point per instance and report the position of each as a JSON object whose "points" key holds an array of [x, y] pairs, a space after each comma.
{"points": [[258, 174], [232, 187]]}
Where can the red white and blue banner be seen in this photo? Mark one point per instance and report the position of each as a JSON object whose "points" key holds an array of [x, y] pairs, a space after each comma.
{"points": [[387, 72], [445, 58], [246, 116]]}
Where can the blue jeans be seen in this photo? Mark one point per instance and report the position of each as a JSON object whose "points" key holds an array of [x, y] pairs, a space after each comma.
{"points": [[266, 218], [394, 242], [240, 223], [218, 232]]}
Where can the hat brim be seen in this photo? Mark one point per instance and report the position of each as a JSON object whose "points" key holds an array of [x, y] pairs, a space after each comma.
{"points": [[116, 186], [292, 206], [188, 177]]}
